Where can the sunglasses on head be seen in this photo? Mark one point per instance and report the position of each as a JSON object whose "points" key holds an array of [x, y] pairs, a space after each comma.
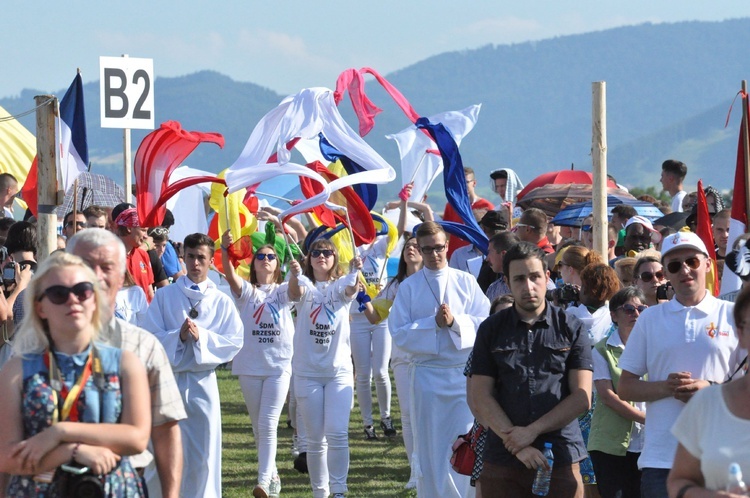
{"points": [[675, 266], [631, 309], [159, 231], [429, 250], [58, 294], [316, 253], [648, 276], [587, 228], [261, 256]]}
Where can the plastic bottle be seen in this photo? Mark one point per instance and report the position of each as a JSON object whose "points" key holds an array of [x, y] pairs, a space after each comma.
{"points": [[735, 484], [543, 476]]}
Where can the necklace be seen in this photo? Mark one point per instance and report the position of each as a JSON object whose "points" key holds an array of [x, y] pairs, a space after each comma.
{"points": [[431, 291], [193, 313]]}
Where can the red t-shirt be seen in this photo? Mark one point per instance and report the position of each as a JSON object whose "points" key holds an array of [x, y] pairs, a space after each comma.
{"points": [[139, 266], [450, 214]]}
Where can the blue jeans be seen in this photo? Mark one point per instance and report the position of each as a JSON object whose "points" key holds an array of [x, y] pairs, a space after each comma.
{"points": [[654, 483]]}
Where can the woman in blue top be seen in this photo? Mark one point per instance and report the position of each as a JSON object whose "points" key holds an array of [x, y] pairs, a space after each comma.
{"points": [[66, 399]]}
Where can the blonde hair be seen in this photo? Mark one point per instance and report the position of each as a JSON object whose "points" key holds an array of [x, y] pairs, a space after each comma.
{"points": [[579, 258], [33, 335]]}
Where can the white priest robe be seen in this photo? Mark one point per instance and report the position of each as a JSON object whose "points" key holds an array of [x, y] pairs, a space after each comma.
{"points": [[220, 338], [437, 356]]}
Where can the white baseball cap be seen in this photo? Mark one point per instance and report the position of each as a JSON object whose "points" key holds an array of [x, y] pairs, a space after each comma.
{"points": [[682, 240], [655, 234]]}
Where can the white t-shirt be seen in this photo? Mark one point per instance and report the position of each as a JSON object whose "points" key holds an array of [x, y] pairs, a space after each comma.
{"points": [[269, 330], [597, 324], [677, 201], [131, 305], [671, 338], [373, 270], [321, 340], [714, 435], [601, 372]]}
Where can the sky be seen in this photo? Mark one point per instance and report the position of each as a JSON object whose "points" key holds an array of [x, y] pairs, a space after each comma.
{"points": [[290, 45]]}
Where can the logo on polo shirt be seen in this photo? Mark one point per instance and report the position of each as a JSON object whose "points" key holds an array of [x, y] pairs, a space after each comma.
{"points": [[713, 332], [143, 266]]}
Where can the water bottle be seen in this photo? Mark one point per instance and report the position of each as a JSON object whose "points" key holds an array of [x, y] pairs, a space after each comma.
{"points": [[543, 476], [735, 484]]}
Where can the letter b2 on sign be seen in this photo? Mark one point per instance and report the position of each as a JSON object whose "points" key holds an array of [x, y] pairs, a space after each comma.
{"points": [[127, 92]]}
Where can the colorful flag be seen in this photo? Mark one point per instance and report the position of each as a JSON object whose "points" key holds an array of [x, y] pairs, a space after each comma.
{"points": [[738, 223], [74, 148], [703, 230], [420, 160]]}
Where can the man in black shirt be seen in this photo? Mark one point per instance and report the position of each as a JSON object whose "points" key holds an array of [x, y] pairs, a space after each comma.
{"points": [[531, 379]]}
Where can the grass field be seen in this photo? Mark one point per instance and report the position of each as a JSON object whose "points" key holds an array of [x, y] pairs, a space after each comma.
{"points": [[377, 468]]}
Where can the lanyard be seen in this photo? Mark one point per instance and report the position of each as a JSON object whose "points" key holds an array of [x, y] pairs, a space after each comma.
{"points": [[69, 396]]}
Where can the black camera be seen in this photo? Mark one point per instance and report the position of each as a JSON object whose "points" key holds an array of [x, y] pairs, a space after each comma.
{"points": [[663, 291], [79, 482], [566, 294]]}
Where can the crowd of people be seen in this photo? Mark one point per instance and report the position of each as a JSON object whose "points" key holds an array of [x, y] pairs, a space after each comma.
{"points": [[623, 361]]}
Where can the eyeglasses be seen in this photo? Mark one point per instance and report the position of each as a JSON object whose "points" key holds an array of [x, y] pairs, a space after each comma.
{"points": [[675, 266], [78, 224], [648, 276], [58, 294], [271, 257], [316, 253], [587, 228], [631, 309], [427, 250]]}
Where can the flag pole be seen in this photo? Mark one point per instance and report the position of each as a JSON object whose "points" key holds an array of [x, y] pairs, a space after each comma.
{"points": [[47, 151], [416, 170], [599, 158], [746, 146]]}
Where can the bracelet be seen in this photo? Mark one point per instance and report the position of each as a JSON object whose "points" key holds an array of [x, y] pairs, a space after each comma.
{"points": [[683, 490], [223, 248], [75, 453]]}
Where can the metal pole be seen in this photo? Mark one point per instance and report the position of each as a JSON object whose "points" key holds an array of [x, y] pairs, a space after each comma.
{"points": [[599, 159], [46, 149]]}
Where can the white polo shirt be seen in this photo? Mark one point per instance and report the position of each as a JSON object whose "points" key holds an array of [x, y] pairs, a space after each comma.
{"points": [[670, 338]]}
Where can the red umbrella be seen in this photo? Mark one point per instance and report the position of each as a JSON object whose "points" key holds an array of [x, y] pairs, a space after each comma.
{"points": [[559, 178]]}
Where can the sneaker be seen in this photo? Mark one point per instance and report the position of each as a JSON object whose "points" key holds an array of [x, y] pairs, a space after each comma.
{"points": [[295, 446], [300, 463], [370, 433], [260, 491], [387, 425], [274, 489]]}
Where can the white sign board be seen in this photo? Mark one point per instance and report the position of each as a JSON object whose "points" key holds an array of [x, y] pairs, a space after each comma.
{"points": [[127, 92]]}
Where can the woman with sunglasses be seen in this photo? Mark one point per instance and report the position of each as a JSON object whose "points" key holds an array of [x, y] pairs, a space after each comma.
{"points": [[616, 435], [648, 275], [322, 364], [67, 400], [264, 364]]}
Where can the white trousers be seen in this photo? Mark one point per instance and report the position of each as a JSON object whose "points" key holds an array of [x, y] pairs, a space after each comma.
{"points": [[264, 398], [401, 376], [371, 351], [325, 403]]}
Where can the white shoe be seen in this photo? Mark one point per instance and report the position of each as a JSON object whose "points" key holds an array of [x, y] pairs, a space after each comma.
{"points": [[274, 488]]}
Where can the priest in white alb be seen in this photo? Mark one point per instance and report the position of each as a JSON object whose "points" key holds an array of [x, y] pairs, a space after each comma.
{"points": [[434, 319], [200, 330]]}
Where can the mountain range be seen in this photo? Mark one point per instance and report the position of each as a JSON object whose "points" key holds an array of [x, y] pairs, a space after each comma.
{"points": [[669, 89]]}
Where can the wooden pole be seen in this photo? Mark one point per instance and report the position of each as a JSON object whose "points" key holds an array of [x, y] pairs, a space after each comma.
{"points": [[46, 149], [746, 147], [599, 159]]}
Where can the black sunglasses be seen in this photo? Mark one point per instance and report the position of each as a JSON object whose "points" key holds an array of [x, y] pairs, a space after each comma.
{"points": [[648, 276], [58, 294], [429, 250], [261, 256], [675, 266], [316, 253], [630, 309]]}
